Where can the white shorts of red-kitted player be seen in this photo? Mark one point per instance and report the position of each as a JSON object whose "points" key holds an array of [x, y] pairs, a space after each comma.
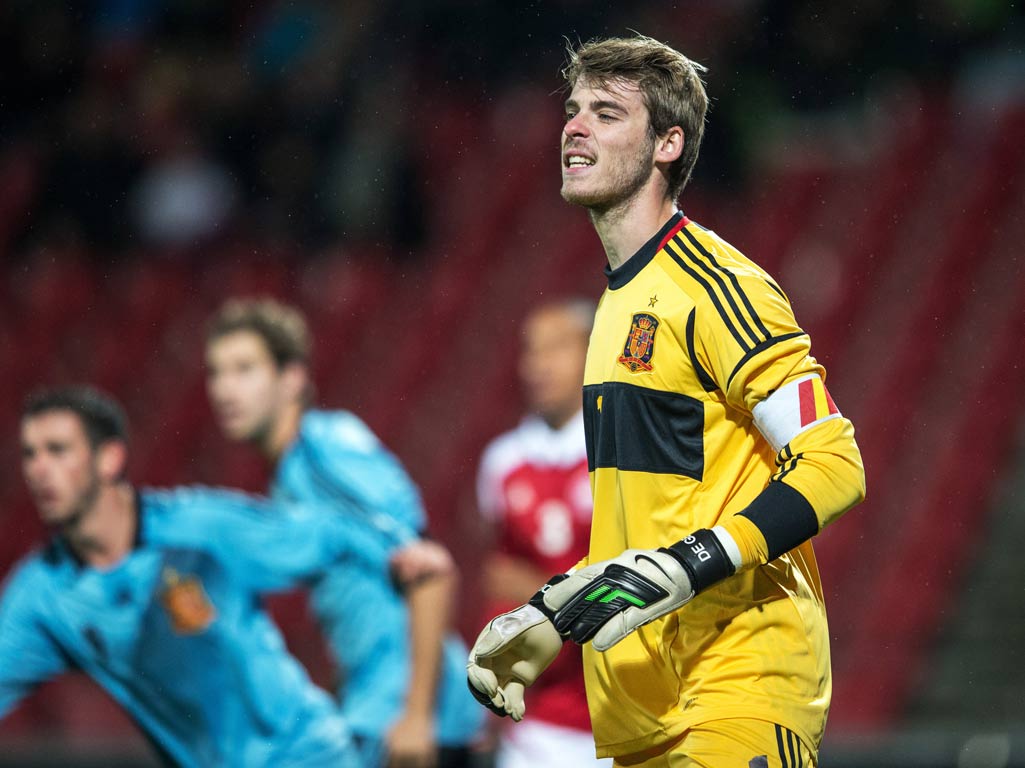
{"points": [[541, 745]]}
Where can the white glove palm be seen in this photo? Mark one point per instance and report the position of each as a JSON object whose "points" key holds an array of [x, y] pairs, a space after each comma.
{"points": [[509, 655]]}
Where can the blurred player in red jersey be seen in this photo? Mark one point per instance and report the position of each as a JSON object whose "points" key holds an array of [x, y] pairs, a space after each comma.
{"points": [[533, 488]]}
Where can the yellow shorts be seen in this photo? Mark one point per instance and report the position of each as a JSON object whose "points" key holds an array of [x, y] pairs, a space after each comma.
{"points": [[734, 743]]}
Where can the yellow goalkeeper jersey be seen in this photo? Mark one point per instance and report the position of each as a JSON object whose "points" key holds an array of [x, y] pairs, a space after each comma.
{"points": [[699, 392]]}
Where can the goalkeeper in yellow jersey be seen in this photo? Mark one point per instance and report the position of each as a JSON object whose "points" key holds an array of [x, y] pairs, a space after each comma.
{"points": [[715, 454]]}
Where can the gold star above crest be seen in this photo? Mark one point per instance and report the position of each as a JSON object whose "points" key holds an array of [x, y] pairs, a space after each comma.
{"points": [[653, 300]]}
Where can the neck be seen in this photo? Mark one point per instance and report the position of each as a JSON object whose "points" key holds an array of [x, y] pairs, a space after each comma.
{"points": [[558, 420], [105, 532], [624, 228], [282, 433]]}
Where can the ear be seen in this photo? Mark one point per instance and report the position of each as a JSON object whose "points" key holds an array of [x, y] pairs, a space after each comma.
{"points": [[111, 460], [669, 146], [295, 378]]}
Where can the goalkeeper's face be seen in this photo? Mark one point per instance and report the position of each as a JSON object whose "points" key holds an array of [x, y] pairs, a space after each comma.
{"points": [[608, 148], [247, 388]]}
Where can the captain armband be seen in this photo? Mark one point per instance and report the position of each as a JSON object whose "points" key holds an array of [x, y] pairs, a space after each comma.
{"points": [[794, 408]]}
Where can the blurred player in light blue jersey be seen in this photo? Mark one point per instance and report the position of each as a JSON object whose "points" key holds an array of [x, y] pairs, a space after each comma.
{"points": [[155, 595], [402, 688]]}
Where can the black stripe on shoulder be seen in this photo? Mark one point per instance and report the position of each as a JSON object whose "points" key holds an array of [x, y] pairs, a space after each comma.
{"points": [[759, 349], [744, 344], [717, 276], [733, 280], [706, 381]]}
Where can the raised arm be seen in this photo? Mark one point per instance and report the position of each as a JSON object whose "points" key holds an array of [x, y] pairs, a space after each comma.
{"points": [[266, 546], [367, 484]]}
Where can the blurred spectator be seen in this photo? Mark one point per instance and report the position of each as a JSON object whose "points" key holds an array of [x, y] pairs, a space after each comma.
{"points": [[182, 198], [90, 172], [305, 116]]}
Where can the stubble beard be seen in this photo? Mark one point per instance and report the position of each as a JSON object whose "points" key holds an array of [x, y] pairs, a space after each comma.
{"points": [[83, 506], [250, 431], [265, 432], [259, 434], [624, 182]]}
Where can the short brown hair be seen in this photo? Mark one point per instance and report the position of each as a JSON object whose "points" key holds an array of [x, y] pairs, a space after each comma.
{"points": [[282, 328], [668, 80], [101, 415]]}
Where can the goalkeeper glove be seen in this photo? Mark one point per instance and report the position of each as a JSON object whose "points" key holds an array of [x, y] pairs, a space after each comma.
{"points": [[510, 653], [607, 601], [604, 602]]}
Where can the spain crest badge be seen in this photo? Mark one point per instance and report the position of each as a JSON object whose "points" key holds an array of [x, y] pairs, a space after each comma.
{"points": [[186, 603], [640, 343]]}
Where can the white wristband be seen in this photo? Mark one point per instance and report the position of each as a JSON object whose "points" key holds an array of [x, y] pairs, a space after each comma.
{"points": [[730, 545]]}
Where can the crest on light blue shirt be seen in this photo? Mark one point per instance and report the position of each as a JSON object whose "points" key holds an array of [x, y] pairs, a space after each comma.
{"points": [[186, 602]]}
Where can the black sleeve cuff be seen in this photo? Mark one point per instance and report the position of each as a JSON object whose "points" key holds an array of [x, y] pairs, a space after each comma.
{"points": [[785, 518]]}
